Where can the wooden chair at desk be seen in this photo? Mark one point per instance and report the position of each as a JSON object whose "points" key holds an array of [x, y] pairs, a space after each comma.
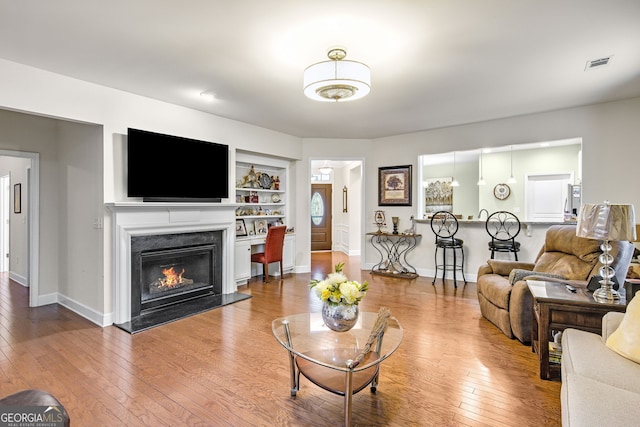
{"points": [[273, 247]]}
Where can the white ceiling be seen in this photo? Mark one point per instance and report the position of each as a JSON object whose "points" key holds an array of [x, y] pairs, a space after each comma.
{"points": [[434, 63]]}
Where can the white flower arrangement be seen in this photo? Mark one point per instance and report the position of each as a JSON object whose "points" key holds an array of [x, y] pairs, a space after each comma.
{"points": [[337, 289]]}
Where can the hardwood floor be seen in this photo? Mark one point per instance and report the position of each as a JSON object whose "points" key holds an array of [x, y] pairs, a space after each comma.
{"points": [[225, 368]]}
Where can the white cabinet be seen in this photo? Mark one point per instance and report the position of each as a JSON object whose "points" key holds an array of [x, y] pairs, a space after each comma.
{"points": [[289, 253], [243, 260], [245, 246]]}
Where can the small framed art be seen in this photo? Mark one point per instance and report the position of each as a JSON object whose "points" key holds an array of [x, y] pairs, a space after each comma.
{"points": [[260, 226], [394, 186], [241, 228], [17, 198]]}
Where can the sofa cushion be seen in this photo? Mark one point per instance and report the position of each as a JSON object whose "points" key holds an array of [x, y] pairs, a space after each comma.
{"points": [[566, 265], [504, 267], [626, 339], [563, 239], [583, 353], [587, 402], [496, 289]]}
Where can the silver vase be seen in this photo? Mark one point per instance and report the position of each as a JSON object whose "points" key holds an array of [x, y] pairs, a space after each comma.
{"points": [[340, 317]]}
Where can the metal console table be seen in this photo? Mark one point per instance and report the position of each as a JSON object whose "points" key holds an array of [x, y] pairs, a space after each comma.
{"points": [[393, 250]]}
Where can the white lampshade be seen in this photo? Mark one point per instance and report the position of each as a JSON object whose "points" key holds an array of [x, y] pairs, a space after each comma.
{"points": [[337, 80], [607, 222]]}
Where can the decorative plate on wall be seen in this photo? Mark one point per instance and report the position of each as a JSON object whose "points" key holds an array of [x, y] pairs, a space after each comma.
{"points": [[501, 191]]}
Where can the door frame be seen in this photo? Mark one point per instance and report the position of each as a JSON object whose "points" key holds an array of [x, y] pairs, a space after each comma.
{"points": [[363, 186], [5, 205], [33, 219]]}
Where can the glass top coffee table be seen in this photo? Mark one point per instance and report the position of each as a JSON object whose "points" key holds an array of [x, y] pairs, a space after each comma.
{"points": [[326, 357]]}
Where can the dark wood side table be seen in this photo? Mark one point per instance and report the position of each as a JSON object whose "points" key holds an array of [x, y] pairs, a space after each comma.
{"points": [[555, 308]]}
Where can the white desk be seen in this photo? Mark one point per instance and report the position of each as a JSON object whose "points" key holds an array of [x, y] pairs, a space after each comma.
{"points": [[245, 246]]}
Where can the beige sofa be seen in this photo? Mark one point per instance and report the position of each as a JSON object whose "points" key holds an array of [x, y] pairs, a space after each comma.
{"points": [[599, 387], [506, 302]]}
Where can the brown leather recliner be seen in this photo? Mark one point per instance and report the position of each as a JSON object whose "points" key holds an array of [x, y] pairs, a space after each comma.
{"points": [[503, 294]]}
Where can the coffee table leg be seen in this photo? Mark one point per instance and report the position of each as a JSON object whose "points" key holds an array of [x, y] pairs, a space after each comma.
{"points": [[295, 374], [348, 394]]}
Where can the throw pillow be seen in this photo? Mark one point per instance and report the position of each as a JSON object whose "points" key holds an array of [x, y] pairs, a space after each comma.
{"points": [[626, 339], [518, 274]]}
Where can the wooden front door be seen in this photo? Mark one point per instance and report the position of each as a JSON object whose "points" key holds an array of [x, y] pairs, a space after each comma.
{"points": [[320, 217]]}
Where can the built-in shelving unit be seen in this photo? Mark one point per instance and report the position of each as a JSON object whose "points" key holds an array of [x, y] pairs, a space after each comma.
{"points": [[262, 198], [260, 192]]}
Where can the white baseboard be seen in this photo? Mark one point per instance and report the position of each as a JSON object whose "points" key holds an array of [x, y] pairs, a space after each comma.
{"points": [[88, 313], [19, 279]]}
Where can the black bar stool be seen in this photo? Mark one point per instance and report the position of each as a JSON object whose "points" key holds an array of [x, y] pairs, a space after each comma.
{"points": [[503, 227], [445, 225]]}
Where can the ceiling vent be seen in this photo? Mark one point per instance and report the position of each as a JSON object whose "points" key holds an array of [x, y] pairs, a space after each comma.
{"points": [[597, 63]]}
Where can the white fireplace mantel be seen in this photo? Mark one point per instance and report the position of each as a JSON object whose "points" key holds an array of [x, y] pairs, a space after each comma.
{"points": [[144, 219]]}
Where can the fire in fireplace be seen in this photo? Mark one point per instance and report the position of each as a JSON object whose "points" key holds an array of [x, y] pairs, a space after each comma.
{"points": [[169, 269]]}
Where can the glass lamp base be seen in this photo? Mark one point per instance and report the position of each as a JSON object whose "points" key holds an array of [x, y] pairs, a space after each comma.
{"points": [[606, 295]]}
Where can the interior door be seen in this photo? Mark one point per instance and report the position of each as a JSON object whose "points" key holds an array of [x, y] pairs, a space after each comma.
{"points": [[321, 217], [547, 197]]}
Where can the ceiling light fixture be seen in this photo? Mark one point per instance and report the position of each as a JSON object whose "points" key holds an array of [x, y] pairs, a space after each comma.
{"points": [[481, 181], [454, 181], [337, 79], [325, 169], [511, 179]]}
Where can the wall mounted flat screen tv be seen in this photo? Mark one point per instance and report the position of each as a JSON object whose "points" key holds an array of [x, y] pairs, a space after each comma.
{"points": [[166, 168]]}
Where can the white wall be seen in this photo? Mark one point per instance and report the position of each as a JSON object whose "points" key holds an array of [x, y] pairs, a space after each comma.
{"points": [[42, 93], [611, 149]]}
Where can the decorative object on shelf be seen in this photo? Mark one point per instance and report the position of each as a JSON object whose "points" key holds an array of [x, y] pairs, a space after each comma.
{"points": [[394, 186], [260, 226], [341, 297], [276, 183], [395, 220], [250, 180], [501, 191], [265, 180], [411, 231], [337, 80], [241, 228], [344, 199], [379, 219], [275, 198], [606, 222]]}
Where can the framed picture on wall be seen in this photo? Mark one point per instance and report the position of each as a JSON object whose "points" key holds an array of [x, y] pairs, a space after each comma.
{"points": [[17, 198], [394, 186]]}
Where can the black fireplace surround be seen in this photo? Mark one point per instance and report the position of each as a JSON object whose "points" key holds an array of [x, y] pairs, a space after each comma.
{"points": [[175, 276]]}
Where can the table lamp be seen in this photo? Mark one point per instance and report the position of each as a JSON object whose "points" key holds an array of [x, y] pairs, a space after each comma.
{"points": [[606, 222]]}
